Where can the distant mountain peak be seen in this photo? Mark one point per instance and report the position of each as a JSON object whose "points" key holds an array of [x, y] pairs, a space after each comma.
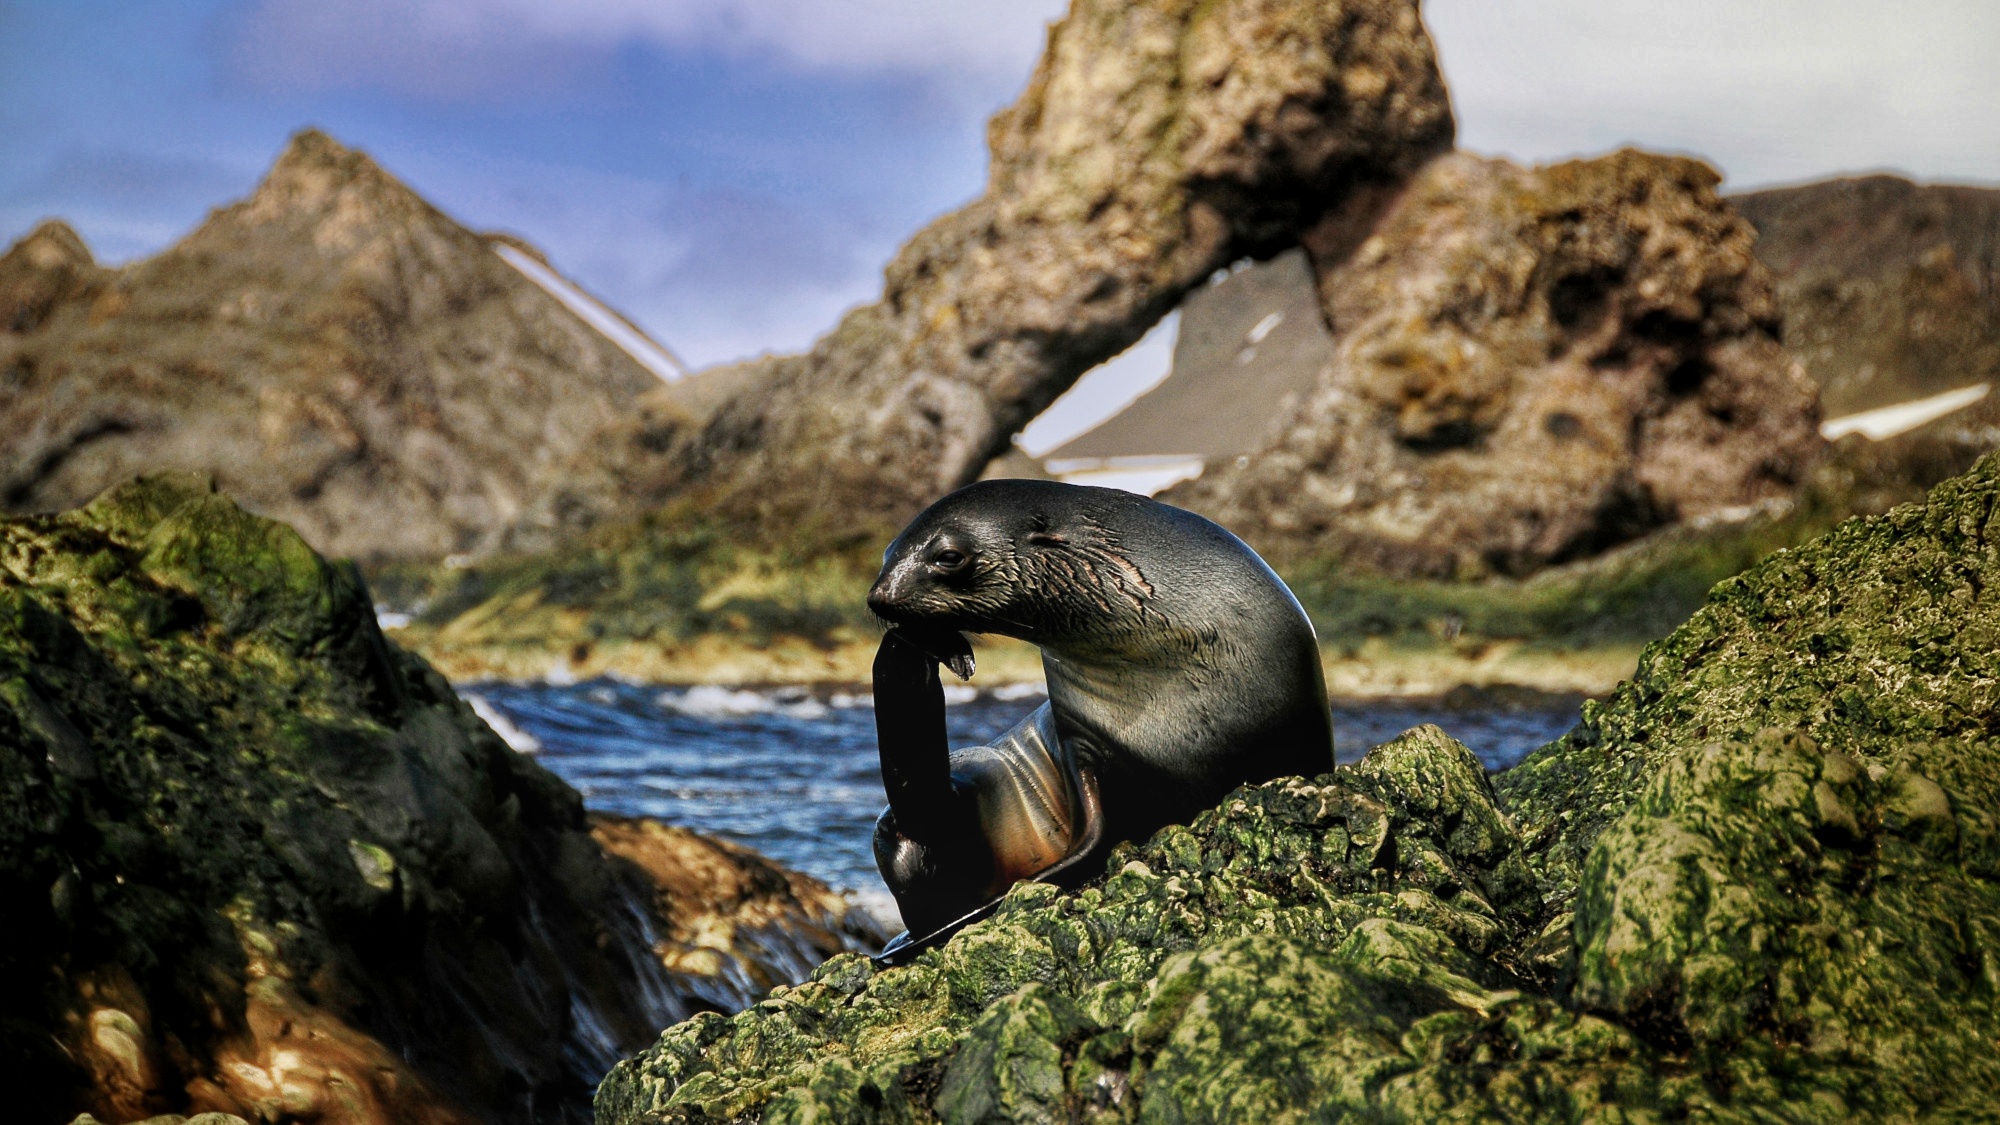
{"points": [[48, 266], [52, 245], [316, 174], [340, 353]]}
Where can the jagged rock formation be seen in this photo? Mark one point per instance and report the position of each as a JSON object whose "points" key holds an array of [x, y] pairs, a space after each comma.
{"points": [[1762, 882], [1533, 365], [1889, 290], [338, 352], [1156, 142], [256, 860]]}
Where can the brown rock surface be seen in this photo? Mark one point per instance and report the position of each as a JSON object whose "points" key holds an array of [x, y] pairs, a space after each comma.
{"points": [[1156, 142], [48, 267], [1890, 290], [732, 924], [339, 353], [1533, 365]]}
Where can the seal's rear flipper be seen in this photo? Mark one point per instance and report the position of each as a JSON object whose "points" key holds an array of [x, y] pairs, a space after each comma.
{"points": [[903, 949]]}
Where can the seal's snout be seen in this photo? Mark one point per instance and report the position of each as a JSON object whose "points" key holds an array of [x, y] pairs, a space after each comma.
{"points": [[889, 598], [880, 602]]}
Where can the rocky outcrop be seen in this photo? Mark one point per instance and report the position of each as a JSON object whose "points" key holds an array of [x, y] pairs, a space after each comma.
{"points": [[45, 270], [1890, 290], [338, 352], [1762, 882], [729, 923], [1532, 365], [255, 860], [1156, 142]]}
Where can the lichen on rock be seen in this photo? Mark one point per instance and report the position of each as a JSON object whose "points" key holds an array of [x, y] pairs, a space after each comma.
{"points": [[1759, 883]]}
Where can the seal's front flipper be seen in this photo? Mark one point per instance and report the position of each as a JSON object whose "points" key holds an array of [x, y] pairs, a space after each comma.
{"points": [[910, 734]]}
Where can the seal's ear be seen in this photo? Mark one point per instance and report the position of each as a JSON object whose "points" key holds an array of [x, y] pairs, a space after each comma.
{"points": [[1046, 539]]}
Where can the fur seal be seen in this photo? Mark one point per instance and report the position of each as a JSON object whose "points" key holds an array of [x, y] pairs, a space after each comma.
{"points": [[1179, 667]]}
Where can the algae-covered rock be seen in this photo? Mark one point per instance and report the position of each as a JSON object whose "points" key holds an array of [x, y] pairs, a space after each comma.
{"points": [[1758, 884], [1878, 636], [255, 860], [1807, 925], [1410, 835]]}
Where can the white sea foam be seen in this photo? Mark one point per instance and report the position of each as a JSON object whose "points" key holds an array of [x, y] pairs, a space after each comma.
{"points": [[514, 736], [877, 903], [714, 701], [717, 701]]}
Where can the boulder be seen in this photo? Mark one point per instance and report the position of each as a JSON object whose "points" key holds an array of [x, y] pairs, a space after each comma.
{"points": [[256, 860], [336, 351], [1532, 365], [1761, 882], [1156, 142]]}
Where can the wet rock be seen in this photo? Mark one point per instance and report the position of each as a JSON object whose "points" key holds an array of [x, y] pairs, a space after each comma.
{"points": [[731, 923], [1759, 883], [1155, 143], [341, 354], [1769, 897], [1532, 365], [257, 861], [172, 1119]]}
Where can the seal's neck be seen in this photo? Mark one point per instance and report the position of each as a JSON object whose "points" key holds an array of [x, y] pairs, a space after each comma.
{"points": [[1120, 690]]}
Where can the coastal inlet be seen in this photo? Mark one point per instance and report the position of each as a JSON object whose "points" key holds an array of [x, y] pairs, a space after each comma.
{"points": [[793, 774]]}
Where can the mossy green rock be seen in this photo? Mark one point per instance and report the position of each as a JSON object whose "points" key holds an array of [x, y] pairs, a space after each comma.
{"points": [[1757, 884], [255, 859]]}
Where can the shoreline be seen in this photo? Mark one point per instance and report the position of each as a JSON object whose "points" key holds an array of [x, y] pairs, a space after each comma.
{"points": [[1374, 671]]}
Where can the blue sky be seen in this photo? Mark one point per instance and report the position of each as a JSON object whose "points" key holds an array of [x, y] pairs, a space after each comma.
{"points": [[734, 173]]}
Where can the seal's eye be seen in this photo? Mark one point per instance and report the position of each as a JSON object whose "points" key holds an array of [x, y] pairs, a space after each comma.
{"points": [[949, 559]]}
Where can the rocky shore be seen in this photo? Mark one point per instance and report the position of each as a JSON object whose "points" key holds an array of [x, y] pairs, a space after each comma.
{"points": [[1760, 882], [256, 860]]}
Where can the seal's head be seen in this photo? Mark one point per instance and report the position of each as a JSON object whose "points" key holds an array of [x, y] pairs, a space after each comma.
{"points": [[1036, 560]]}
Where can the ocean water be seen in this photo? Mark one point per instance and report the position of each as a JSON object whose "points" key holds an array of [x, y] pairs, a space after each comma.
{"points": [[793, 774]]}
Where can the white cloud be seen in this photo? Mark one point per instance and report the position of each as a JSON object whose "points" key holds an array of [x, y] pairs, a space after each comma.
{"points": [[1770, 91], [996, 37], [472, 48]]}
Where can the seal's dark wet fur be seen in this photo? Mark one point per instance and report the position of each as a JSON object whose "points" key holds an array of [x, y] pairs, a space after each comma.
{"points": [[1179, 667]]}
